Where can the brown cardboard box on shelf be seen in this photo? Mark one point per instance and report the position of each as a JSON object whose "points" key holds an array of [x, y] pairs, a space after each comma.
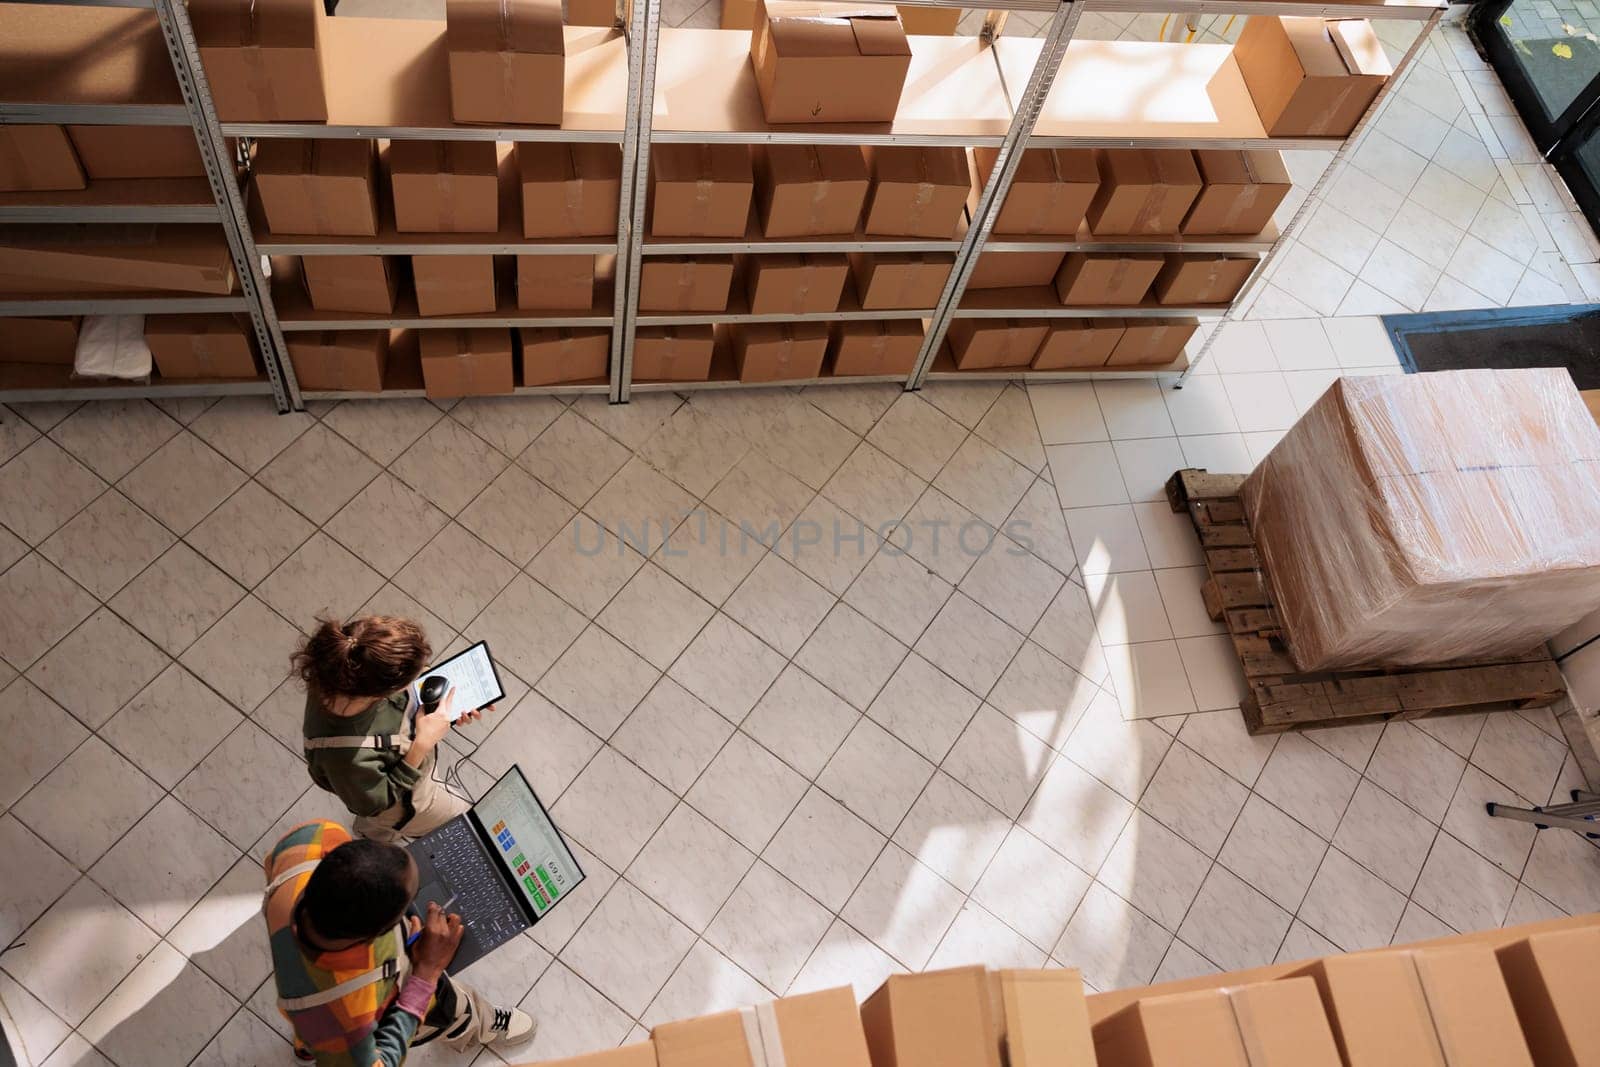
{"points": [[445, 186], [1089, 279], [828, 62], [467, 362], [638, 1054], [887, 346], [921, 21], [700, 190], [137, 152], [738, 15], [453, 285], [317, 186], [805, 190], [1310, 77], [38, 159], [552, 355], [673, 353], [905, 280], [685, 283], [591, 13], [1202, 279], [349, 361], [1444, 1007], [363, 284], [917, 192], [44, 340], [1078, 343], [1011, 270], [201, 346], [1240, 194], [808, 1030], [555, 283], [1554, 982], [982, 344], [263, 58], [507, 61], [1268, 1024], [795, 283], [779, 351], [1050, 193], [1151, 342], [569, 190], [966, 1016], [108, 259], [1143, 191]]}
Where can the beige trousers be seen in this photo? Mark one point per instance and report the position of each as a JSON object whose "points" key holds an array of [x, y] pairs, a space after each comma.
{"points": [[432, 805]]}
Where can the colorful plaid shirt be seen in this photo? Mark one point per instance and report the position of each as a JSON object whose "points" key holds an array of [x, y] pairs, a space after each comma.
{"points": [[364, 1028]]}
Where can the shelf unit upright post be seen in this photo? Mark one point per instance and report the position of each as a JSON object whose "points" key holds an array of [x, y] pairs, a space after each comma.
{"points": [[645, 27], [174, 203]]}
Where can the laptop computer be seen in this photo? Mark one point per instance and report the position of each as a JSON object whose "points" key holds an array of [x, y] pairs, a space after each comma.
{"points": [[504, 863]]}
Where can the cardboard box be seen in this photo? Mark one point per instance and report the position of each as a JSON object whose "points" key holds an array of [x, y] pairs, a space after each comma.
{"points": [[37, 159], [1269, 1024], [795, 283], [1554, 983], [981, 344], [569, 190], [507, 61], [201, 346], [445, 186], [551, 356], [1143, 191], [1447, 1007], [1310, 77], [475, 362], [453, 285], [591, 13], [51, 341], [638, 1054], [738, 15], [555, 283], [828, 62], [364, 284], [349, 361], [917, 192], [1151, 342], [1074, 343], [809, 1030], [113, 152], [685, 283], [317, 186], [887, 281], [964, 1017], [673, 353], [1202, 279], [779, 351], [1009, 270], [1089, 279], [700, 190], [1241, 191], [1050, 193], [263, 58], [887, 346], [929, 21], [810, 190], [110, 259]]}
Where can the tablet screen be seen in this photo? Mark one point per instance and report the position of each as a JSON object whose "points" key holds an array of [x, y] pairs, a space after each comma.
{"points": [[472, 675]]}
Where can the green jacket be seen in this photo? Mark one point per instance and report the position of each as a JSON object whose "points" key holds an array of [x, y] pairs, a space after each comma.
{"points": [[368, 780]]}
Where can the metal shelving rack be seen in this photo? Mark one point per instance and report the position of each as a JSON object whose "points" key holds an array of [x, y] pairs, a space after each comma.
{"points": [[217, 200]]}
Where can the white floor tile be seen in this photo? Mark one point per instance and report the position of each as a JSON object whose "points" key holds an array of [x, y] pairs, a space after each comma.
{"points": [[613, 808], [1416, 768], [672, 735], [903, 907], [1169, 536], [1133, 409], [1067, 413], [628, 948], [1076, 814], [71, 982], [845, 958], [1232, 924], [1385, 836], [1031, 888], [978, 938], [1272, 853], [801, 721], [825, 848], [1108, 538], [1086, 475], [165, 1011], [875, 775], [1149, 679], [1243, 347], [1155, 869], [1147, 464], [1260, 401], [1111, 942], [1462, 888], [1351, 906], [747, 791], [688, 840], [952, 831]]}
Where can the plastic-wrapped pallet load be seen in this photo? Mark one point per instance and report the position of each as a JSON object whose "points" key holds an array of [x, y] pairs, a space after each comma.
{"points": [[1413, 519]]}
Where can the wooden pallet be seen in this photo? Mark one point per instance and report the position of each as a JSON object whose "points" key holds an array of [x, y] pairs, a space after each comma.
{"points": [[1282, 697]]}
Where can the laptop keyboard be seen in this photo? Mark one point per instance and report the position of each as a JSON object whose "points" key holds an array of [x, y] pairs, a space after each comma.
{"points": [[482, 899]]}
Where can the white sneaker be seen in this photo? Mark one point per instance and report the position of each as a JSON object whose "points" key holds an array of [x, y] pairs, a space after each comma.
{"points": [[510, 1026]]}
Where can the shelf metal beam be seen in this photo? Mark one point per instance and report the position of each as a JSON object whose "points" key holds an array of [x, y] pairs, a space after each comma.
{"points": [[68, 214], [121, 305], [643, 33], [281, 246], [438, 322], [94, 114], [324, 131], [155, 390]]}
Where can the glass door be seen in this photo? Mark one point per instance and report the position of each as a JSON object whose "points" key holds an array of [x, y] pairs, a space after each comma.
{"points": [[1547, 53]]}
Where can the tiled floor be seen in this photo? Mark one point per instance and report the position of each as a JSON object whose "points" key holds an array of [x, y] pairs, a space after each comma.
{"points": [[785, 769]]}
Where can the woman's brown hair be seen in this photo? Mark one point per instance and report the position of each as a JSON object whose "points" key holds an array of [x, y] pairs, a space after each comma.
{"points": [[368, 656]]}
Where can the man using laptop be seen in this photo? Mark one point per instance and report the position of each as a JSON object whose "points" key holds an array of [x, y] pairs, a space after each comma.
{"points": [[359, 981]]}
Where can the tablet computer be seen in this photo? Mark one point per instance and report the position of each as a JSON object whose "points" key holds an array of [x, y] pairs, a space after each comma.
{"points": [[471, 673]]}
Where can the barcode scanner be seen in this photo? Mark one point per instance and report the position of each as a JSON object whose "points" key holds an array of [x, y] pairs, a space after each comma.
{"points": [[432, 692]]}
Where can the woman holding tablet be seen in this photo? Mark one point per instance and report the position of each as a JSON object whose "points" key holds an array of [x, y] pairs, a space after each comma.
{"points": [[366, 741]]}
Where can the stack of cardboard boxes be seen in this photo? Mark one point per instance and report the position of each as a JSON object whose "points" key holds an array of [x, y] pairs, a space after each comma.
{"points": [[1517, 998]]}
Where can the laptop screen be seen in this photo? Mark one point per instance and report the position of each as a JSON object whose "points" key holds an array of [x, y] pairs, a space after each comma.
{"points": [[527, 842]]}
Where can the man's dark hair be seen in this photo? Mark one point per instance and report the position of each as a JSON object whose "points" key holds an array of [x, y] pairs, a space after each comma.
{"points": [[358, 890]]}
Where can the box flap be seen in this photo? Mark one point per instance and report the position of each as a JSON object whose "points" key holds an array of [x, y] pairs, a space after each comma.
{"points": [[804, 28], [1359, 47], [711, 1040], [245, 23], [702, 162], [880, 37], [921, 166], [1472, 1011], [1313, 46], [504, 26], [1282, 1024], [1046, 1019]]}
